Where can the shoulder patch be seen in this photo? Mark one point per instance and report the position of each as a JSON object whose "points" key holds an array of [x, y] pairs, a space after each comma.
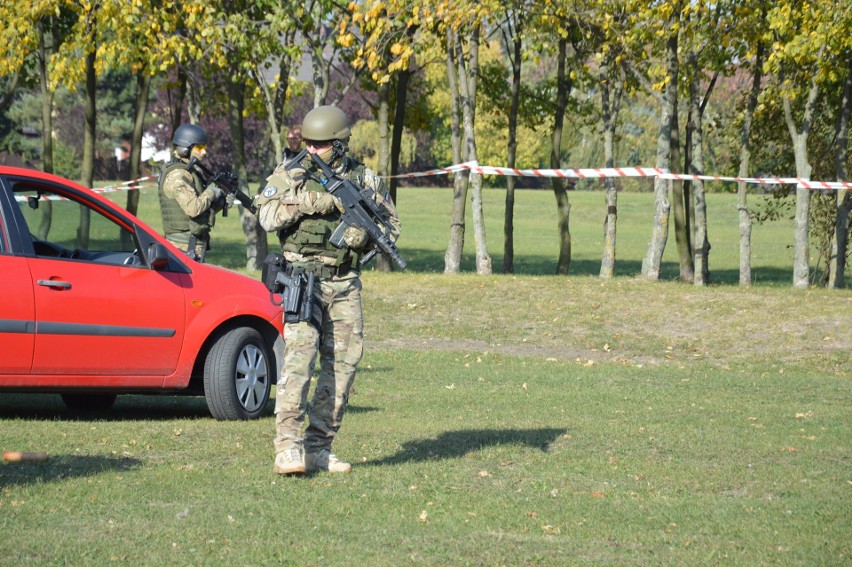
{"points": [[270, 191]]}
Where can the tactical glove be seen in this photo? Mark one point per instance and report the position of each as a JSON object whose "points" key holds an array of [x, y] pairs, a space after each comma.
{"points": [[355, 238], [316, 203], [216, 192]]}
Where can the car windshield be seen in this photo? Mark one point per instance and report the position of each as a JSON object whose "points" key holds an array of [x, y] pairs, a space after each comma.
{"points": [[66, 228]]}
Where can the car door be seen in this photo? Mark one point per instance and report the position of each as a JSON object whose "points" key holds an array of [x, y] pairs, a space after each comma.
{"points": [[94, 314], [17, 310]]}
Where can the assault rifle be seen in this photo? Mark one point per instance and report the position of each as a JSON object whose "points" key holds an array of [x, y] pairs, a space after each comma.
{"points": [[227, 181], [359, 210]]}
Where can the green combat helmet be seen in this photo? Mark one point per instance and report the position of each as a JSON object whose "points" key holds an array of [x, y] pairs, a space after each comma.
{"points": [[325, 123]]}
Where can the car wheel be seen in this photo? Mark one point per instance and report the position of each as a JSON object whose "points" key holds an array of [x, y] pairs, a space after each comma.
{"points": [[89, 402], [238, 375]]}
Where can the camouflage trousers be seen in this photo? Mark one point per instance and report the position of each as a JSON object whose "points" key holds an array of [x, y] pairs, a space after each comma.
{"points": [[201, 247], [336, 333]]}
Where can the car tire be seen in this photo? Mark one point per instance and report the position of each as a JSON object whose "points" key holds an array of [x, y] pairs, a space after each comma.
{"points": [[238, 375], [89, 402]]}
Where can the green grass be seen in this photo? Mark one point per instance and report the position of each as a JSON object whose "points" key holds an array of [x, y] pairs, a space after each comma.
{"points": [[506, 420], [425, 215]]}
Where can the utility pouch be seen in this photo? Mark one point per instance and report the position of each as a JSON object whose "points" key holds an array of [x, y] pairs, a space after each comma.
{"points": [[273, 264]]}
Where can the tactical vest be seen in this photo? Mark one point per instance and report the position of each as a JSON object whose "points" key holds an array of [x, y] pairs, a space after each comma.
{"points": [[310, 236], [176, 224]]}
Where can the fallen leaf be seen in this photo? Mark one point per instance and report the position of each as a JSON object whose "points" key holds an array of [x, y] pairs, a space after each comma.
{"points": [[424, 517]]}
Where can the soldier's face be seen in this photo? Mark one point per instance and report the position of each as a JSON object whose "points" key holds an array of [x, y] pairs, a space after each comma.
{"points": [[199, 152], [294, 139], [321, 148]]}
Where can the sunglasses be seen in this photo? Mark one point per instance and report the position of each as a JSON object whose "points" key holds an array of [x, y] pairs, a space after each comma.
{"points": [[200, 147]]}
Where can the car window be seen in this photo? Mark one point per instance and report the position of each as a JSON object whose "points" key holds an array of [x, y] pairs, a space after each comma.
{"points": [[4, 236], [61, 227]]}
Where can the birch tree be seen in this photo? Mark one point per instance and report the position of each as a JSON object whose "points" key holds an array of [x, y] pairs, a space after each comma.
{"points": [[512, 31], [798, 58], [661, 20], [840, 241], [319, 25], [750, 49], [461, 23]]}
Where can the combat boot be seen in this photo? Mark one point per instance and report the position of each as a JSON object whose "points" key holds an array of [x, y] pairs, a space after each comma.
{"points": [[325, 460], [289, 461]]}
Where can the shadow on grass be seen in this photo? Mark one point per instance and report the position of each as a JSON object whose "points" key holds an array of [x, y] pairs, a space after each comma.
{"points": [[454, 444], [49, 407], [61, 467]]}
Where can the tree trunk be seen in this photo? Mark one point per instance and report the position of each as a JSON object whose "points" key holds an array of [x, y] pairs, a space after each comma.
{"points": [[455, 245], [560, 189], [801, 256], [652, 262], [682, 209], [402, 79], [256, 242], [840, 240], [700, 242], [745, 218], [468, 73], [87, 172], [143, 87], [279, 99], [382, 263], [176, 105], [46, 124], [612, 89], [512, 153], [193, 100], [319, 73]]}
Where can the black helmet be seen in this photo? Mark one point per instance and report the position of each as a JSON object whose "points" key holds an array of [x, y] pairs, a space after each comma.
{"points": [[325, 123], [188, 135]]}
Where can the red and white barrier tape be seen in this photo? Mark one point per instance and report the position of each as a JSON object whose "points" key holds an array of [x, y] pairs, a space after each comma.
{"points": [[601, 173], [587, 173], [128, 185]]}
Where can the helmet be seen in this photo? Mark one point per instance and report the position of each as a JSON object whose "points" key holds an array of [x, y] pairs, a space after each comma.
{"points": [[188, 135], [325, 123]]}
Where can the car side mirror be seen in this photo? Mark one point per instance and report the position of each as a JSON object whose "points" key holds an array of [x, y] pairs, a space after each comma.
{"points": [[158, 256]]}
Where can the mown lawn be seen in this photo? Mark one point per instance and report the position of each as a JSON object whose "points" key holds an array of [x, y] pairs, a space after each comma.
{"points": [[520, 419]]}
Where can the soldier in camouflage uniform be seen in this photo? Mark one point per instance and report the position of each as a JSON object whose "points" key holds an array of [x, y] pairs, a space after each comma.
{"points": [[297, 206], [188, 209], [294, 143]]}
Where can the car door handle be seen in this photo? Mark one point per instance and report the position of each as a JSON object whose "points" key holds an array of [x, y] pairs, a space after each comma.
{"points": [[54, 283]]}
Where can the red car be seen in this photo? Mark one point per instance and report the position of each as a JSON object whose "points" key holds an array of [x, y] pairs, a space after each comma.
{"points": [[95, 303]]}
